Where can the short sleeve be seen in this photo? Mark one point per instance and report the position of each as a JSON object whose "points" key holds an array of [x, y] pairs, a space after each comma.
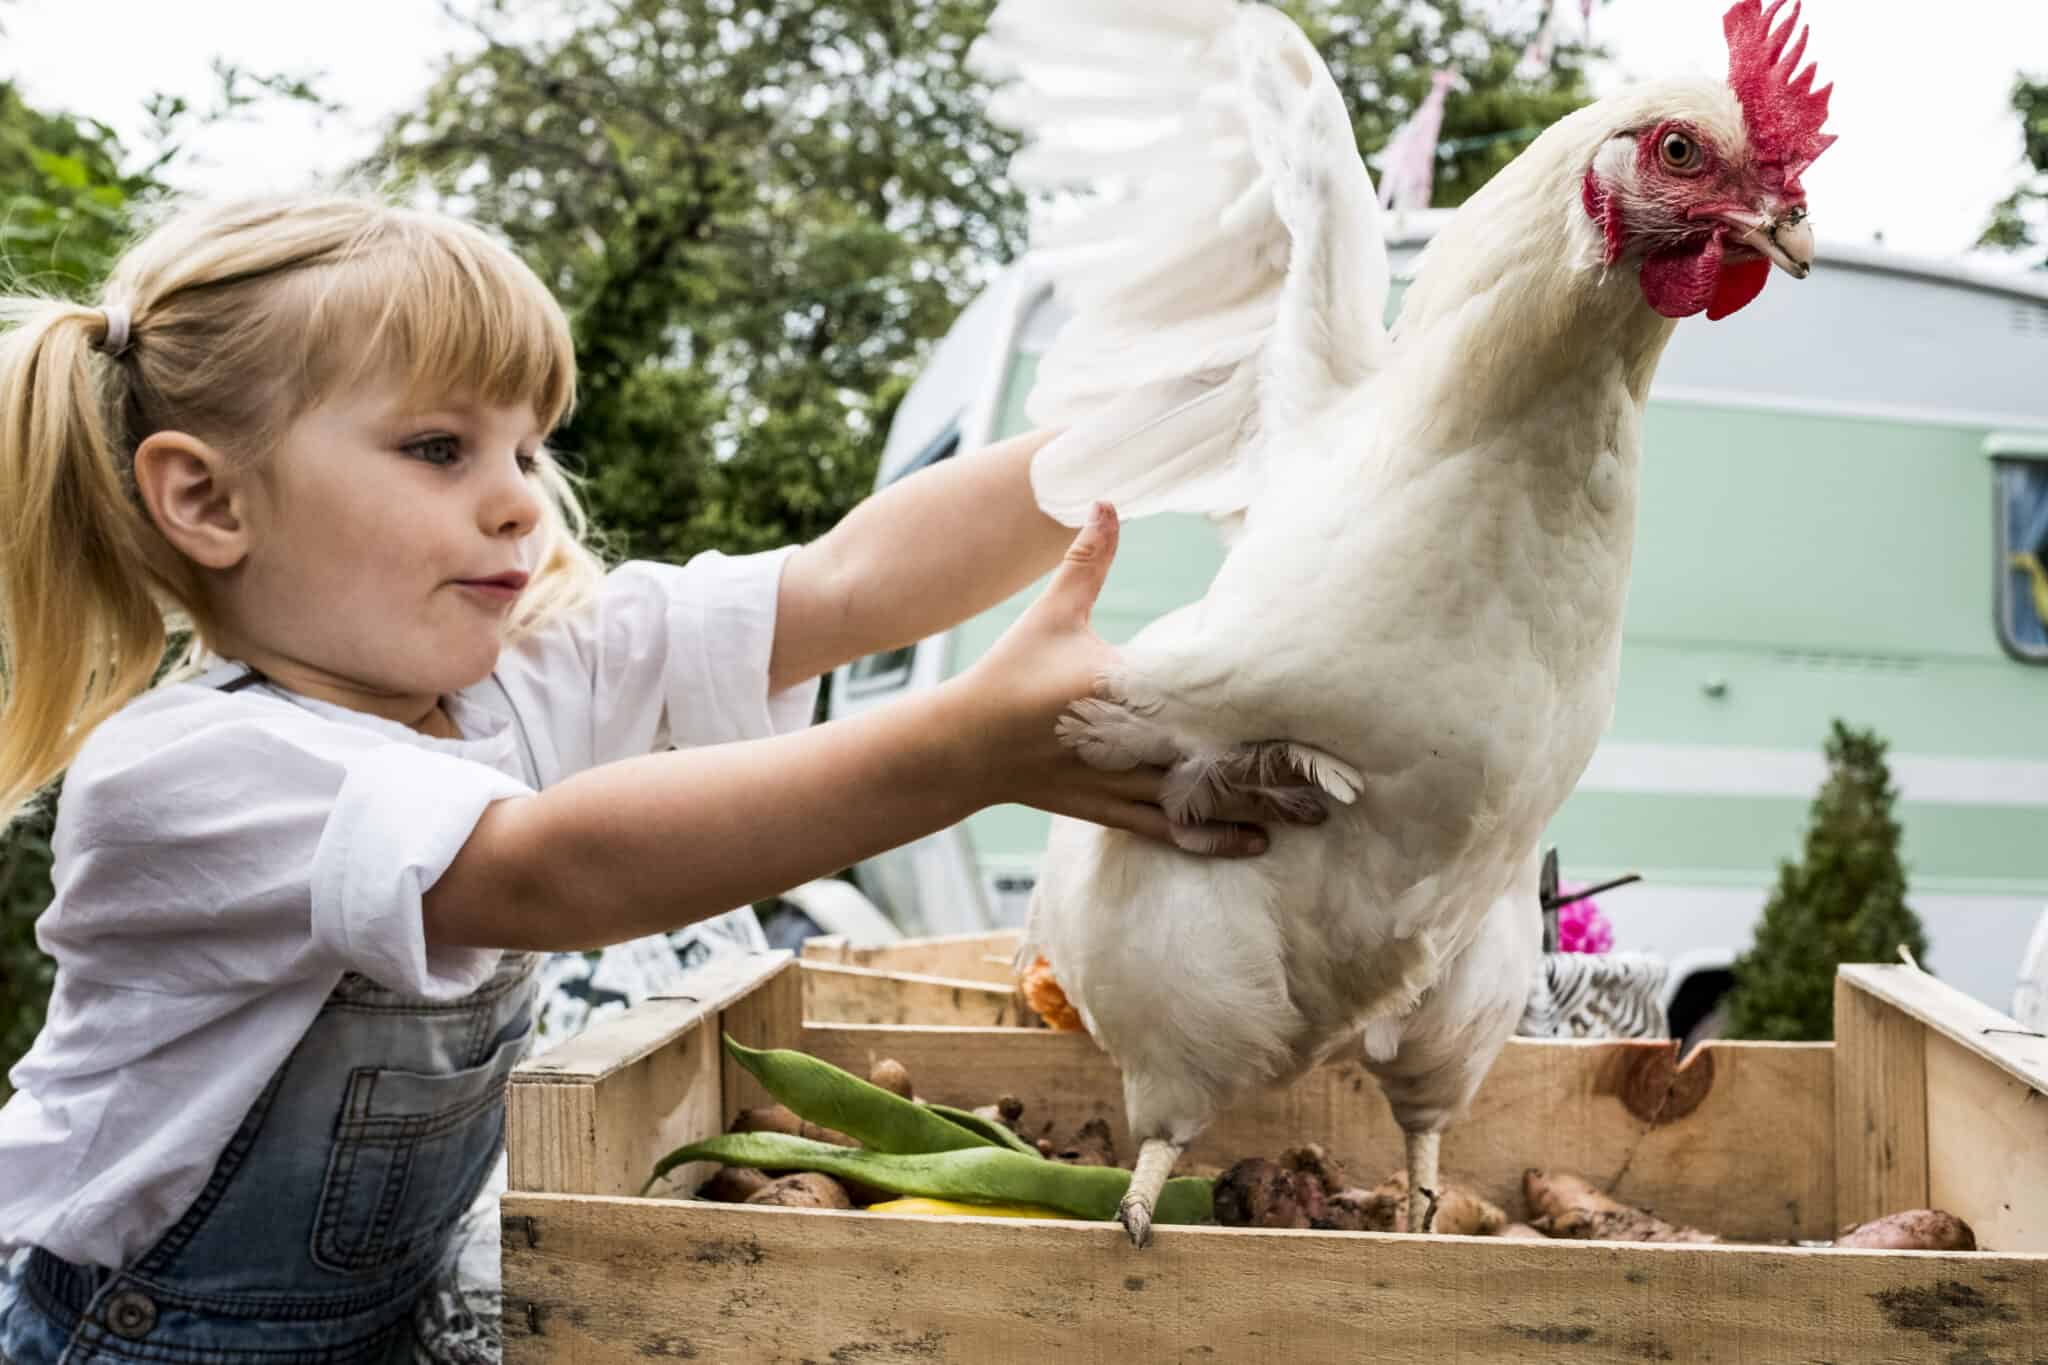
{"points": [[230, 843], [668, 656], [399, 819]]}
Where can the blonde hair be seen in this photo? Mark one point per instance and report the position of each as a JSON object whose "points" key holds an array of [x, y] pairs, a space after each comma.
{"points": [[243, 317]]}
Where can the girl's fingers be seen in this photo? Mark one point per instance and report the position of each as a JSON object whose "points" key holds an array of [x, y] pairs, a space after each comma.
{"points": [[1145, 784], [1215, 838], [1286, 805], [1077, 582]]}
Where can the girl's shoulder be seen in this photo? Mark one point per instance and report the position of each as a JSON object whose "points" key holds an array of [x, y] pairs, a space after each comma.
{"points": [[184, 738], [186, 716]]}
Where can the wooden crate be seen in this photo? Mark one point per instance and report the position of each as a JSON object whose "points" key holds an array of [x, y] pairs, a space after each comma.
{"points": [[1927, 1098], [836, 994], [961, 957], [960, 979]]}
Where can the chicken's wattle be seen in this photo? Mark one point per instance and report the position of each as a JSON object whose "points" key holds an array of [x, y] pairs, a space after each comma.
{"points": [[1684, 280]]}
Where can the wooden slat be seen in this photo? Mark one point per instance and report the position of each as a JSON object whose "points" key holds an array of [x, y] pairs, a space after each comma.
{"points": [[592, 1115], [1945, 1104], [1880, 1130], [965, 957], [1739, 1141], [1999, 1039], [619, 1282], [770, 1015], [838, 994], [826, 948], [1987, 1148]]}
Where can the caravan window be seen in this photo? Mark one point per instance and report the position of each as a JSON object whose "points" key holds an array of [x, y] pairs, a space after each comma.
{"points": [[2023, 557]]}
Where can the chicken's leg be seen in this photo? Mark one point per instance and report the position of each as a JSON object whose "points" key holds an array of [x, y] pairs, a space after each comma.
{"points": [[1422, 1188], [1155, 1162]]}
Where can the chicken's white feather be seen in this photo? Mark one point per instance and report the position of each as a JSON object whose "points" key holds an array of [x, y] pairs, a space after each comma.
{"points": [[1423, 599], [1217, 256]]}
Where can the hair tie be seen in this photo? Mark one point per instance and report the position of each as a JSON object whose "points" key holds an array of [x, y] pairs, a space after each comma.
{"points": [[116, 339]]}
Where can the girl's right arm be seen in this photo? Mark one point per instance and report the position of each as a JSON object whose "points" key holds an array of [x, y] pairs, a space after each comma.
{"points": [[645, 844]]}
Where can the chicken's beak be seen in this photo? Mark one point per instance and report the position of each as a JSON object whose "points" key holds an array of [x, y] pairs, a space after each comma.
{"points": [[1785, 240]]}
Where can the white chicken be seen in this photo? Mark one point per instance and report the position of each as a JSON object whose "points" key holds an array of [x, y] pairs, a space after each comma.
{"points": [[1430, 532]]}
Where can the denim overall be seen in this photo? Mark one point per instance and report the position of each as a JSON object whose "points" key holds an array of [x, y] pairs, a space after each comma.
{"points": [[332, 1206]]}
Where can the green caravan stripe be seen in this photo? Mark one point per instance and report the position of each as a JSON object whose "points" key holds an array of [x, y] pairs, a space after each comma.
{"points": [[1758, 697], [1738, 840], [1742, 839]]}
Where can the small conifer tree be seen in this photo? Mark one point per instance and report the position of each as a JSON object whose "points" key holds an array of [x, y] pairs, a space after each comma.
{"points": [[1843, 901]]}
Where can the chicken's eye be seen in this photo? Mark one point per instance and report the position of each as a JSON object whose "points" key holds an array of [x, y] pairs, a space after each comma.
{"points": [[1679, 151]]}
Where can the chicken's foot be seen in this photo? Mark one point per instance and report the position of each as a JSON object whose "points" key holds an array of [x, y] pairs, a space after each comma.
{"points": [[1155, 1162], [1422, 1186]]}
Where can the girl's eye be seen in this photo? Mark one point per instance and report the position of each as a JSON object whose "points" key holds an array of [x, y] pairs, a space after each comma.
{"points": [[1680, 152], [439, 451], [529, 464]]}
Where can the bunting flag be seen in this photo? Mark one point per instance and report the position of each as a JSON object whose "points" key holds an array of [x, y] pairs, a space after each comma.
{"points": [[1536, 56], [1408, 167]]}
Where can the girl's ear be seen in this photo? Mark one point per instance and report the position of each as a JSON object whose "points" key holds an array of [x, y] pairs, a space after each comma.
{"points": [[195, 497]]}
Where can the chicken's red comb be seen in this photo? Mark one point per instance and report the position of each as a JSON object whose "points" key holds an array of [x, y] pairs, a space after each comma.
{"points": [[1781, 108]]}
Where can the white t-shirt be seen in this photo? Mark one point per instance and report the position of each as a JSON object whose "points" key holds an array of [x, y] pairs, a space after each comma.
{"points": [[222, 858]]}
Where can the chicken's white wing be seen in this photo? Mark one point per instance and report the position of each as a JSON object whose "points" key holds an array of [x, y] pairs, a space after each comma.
{"points": [[1226, 274]]}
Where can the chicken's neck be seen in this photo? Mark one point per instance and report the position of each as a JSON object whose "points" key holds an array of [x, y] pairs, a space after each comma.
{"points": [[1509, 330], [1512, 314]]}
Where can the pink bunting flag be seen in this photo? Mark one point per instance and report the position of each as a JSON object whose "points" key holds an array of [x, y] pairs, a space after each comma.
{"points": [[1408, 170]]}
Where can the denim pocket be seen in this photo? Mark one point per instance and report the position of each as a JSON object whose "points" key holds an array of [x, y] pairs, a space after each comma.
{"points": [[411, 1151]]}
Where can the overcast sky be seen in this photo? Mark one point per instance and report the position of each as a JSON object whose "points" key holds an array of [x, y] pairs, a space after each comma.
{"points": [[1927, 140]]}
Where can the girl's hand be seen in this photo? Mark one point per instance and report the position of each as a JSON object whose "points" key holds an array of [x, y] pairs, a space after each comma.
{"points": [[1014, 695]]}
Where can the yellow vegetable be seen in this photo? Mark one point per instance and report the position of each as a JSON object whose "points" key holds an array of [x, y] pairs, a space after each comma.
{"points": [[948, 1207]]}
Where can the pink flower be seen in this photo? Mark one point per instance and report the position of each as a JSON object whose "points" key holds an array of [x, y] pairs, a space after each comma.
{"points": [[1581, 928]]}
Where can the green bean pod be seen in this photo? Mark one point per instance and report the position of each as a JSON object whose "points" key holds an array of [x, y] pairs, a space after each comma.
{"points": [[986, 1175], [877, 1119], [1000, 1134]]}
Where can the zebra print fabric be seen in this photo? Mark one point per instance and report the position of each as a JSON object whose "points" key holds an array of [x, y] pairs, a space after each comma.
{"points": [[1597, 995]]}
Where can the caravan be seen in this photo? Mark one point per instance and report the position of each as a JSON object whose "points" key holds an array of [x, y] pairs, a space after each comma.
{"points": [[1844, 514]]}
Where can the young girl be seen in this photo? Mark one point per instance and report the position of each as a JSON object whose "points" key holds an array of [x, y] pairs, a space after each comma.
{"points": [[299, 886]]}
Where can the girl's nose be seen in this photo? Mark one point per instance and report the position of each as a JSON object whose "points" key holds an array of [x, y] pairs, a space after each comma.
{"points": [[513, 506]]}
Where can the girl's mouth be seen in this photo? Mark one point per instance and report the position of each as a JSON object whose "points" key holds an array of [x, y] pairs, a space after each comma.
{"points": [[502, 587]]}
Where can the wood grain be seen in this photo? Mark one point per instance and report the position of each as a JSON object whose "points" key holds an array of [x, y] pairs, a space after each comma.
{"points": [[1880, 1137], [617, 1282], [1999, 1039], [1987, 1148], [840, 994], [592, 1115], [966, 957]]}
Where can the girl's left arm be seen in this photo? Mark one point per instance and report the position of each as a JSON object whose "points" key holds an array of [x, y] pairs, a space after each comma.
{"points": [[916, 558]]}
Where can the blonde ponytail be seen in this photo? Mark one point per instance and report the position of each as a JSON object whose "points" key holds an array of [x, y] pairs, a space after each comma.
{"points": [[80, 627], [239, 319]]}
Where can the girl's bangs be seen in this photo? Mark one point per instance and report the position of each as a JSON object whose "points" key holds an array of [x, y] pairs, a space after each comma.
{"points": [[445, 310]]}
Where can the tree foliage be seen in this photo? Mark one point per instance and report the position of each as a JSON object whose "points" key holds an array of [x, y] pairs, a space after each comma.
{"points": [[2019, 222], [759, 216], [64, 197], [1843, 901]]}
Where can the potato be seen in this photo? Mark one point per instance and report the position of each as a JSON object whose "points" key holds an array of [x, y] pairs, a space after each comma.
{"points": [[1912, 1230], [733, 1185], [892, 1076], [804, 1190]]}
